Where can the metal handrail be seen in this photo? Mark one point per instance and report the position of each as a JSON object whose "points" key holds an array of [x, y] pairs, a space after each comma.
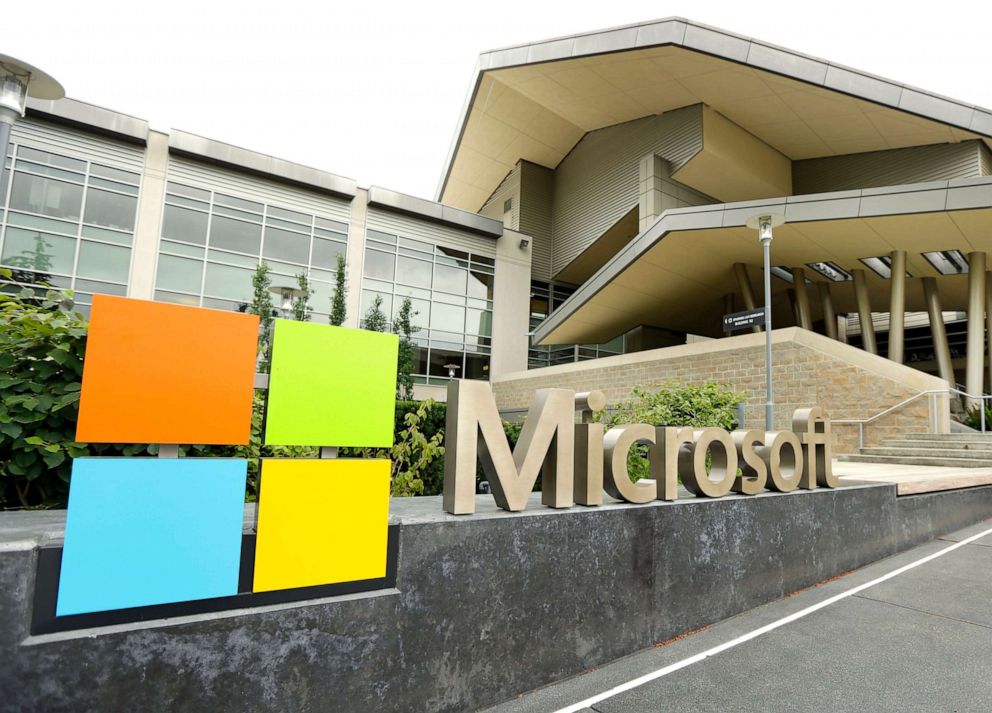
{"points": [[932, 393]]}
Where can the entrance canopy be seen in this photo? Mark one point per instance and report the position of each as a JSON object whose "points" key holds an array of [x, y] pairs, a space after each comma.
{"points": [[676, 273]]}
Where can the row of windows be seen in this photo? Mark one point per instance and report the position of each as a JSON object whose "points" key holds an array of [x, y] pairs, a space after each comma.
{"points": [[212, 243], [545, 297], [68, 222], [451, 292]]}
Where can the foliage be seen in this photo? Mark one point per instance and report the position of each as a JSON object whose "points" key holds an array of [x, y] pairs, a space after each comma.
{"points": [[407, 360], [261, 304], [375, 318], [302, 310], [973, 419], [674, 404], [41, 365], [339, 310], [415, 451]]}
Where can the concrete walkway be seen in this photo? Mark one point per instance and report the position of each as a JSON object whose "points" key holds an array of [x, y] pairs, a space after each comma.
{"points": [[909, 633], [912, 479]]}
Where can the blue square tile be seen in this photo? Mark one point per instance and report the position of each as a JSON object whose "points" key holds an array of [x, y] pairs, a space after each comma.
{"points": [[143, 531]]}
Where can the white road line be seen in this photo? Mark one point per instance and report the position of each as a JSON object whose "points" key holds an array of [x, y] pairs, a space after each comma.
{"points": [[662, 672]]}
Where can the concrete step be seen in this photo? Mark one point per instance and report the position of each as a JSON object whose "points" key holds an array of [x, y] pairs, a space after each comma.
{"points": [[942, 445], [937, 462], [976, 435], [921, 452]]}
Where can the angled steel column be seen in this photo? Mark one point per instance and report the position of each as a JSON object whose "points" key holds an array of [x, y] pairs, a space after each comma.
{"points": [[938, 332], [975, 365], [827, 302], [897, 307], [747, 291], [804, 316], [864, 312]]}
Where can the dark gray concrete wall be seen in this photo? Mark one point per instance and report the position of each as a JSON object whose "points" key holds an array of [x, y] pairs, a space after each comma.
{"points": [[486, 606]]}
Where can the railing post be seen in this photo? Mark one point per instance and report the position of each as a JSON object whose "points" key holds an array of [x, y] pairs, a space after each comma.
{"points": [[861, 435], [981, 406]]}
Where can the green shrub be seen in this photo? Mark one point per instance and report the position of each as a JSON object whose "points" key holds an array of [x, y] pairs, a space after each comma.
{"points": [[674, 404], [973, 419]]}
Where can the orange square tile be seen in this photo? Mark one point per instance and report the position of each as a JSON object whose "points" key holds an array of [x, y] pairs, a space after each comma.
{"points": [[164, 373]]}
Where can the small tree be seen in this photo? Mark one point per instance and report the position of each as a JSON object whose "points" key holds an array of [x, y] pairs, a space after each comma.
{"points": [[338, 308], [302, 311], [406, 363], [261, 304], [375, 318]]}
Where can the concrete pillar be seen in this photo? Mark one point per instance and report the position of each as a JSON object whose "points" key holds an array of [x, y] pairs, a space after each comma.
{"points": [[655, 192], [941, 351], [793, 305], [746, 289], [803, 313], [897, 307], [864, 312], [975, 365], [827, 303], [355, 258], [511, 306], [151, 203], [988, 328]]}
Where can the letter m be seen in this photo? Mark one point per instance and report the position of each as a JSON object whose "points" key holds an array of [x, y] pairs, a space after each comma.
{"points": [[474, 431]]}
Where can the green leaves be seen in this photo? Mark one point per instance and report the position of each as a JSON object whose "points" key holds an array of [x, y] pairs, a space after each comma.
{"points": [[674, 404]]}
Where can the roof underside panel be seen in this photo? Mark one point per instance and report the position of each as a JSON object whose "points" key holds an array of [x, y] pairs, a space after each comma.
{"points": [[536, 102]]}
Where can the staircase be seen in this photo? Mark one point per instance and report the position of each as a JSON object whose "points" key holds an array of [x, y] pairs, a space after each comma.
{"points": [[948, 450]]}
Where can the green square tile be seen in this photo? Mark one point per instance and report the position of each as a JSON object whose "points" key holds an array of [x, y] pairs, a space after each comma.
{"points": [[331, 386]]}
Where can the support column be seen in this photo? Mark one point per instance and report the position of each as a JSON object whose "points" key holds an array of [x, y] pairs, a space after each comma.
{"points": [[864, 312], [803, 313], [827, 303], [746, 289], [975, 366], [938, 331], [793, 305], [988, 327], [897, 308], [656, 193]]}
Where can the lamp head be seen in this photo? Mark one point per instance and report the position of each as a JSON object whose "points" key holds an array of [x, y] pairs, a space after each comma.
{"points": [[763, 223], [18, 81]]}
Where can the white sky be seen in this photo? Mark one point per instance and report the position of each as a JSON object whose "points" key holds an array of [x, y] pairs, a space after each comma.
{"points": [[373, 90]]}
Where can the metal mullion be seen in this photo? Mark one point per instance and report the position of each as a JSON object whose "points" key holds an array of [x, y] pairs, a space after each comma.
{"points": [[206, 248], [79, 229]]}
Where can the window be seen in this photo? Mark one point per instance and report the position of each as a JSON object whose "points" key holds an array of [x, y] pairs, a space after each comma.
{"points": [[46, 196], [545, 297], [451, 294], [212, 243], [70, 224]]}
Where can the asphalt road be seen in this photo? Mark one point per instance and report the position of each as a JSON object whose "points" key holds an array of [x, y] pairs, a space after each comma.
{"points": [[920, 640]]}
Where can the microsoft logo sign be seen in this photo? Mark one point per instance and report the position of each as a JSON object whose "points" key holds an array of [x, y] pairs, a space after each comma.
{"points": [[150, 531]]}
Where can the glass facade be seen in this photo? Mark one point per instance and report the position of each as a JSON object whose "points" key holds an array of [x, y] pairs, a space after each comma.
{"points": [[450, 290], [68, 222], [212, 242], [545, 297]]}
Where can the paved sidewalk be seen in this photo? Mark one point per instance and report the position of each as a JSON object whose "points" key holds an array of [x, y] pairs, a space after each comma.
{"points": [[912, 479], [919, 641]]}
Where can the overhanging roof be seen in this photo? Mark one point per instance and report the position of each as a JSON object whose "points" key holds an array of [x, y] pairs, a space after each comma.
{"points": [[676, 273], [536, 101]]}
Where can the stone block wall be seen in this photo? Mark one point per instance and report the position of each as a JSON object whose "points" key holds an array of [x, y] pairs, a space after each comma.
{"points": [[808, 369]]}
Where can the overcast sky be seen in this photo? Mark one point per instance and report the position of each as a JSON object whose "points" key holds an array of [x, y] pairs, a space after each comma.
{"points": [[373, 90]]}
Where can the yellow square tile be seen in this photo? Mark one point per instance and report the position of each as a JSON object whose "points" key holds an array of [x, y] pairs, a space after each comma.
{"points": [[321, 522]]}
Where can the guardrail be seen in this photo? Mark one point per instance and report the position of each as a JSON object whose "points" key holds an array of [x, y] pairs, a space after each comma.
{"points": [[932, 394]]}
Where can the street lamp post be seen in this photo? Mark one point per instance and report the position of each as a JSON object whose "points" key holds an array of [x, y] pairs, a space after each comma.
{"points": [[18, 81], [764, 223], [288, 295]]}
